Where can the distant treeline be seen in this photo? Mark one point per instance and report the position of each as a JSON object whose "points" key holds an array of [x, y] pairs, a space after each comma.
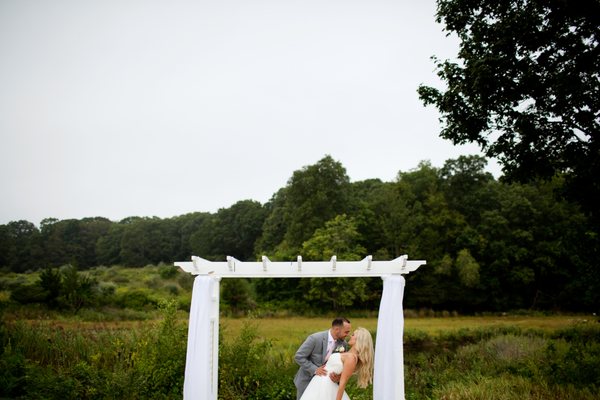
{"points": [[489, 245]]}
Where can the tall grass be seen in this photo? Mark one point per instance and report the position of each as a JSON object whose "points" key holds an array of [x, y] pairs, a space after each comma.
{"points": [[146, 360], [505, 364], [45, 360]]}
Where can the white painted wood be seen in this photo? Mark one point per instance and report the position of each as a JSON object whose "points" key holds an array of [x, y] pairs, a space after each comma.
{"points": [[214, 321], [266, 268]]}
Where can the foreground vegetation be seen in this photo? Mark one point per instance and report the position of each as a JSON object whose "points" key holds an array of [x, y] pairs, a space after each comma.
{"points": [[543, 358], [116, 332]]}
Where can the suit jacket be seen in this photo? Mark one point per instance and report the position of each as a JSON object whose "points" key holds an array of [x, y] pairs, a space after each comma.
{"points": [[310, 356]]}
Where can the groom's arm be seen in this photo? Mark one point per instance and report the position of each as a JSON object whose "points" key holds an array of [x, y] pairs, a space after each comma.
{"points": [[303, 355]]}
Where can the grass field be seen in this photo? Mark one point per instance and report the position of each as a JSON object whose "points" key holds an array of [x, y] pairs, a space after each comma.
{"points": [[132, 345], [485, 357], [471, 358], [295, 329]]}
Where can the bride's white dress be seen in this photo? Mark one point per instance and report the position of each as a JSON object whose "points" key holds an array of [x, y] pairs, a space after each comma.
{"points": [[322, 387]]}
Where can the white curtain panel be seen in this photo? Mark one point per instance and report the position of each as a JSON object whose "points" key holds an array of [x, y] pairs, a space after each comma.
{"points": [[388, 379], [198, 370]]}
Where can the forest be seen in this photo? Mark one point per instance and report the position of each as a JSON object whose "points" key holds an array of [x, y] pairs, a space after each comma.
{"points": [[490, 245]]}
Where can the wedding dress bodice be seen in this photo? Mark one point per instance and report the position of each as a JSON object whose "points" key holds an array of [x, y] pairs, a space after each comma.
{"points": [[334, 363], [321, 387]]}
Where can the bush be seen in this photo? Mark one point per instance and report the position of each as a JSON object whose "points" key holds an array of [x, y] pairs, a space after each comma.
{"points": [[236, 296], [49, 362], [503, 363], [167, 271], [248, 370], [27, 294], [12, 368], [574, 363], [76, 290], [185, 280], [107, 289], [161, 362], [137, 299], [172, 289]]}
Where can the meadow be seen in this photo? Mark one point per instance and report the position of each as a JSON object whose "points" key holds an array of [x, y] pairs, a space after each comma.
{"points": [[508, 357], [131, 344]]}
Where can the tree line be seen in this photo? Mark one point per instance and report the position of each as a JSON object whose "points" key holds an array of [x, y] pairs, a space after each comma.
{"points": [[489, 245]]}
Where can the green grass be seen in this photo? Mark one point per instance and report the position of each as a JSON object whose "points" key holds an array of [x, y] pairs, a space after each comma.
{"points": [[445, 358], [127, 348], [293, 330]]}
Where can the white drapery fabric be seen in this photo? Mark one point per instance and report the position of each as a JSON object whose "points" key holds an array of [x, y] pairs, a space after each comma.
{"points": [[388, 378], [198, 383]]}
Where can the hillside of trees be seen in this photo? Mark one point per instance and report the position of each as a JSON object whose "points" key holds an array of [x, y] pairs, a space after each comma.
{"points": [[489, 245]]}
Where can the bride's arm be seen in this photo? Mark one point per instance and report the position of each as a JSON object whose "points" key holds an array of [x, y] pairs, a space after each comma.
{"points": [[349, 367]]}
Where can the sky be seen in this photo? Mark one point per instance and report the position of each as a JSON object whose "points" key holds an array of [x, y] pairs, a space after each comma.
{"points": [[122, 108]]}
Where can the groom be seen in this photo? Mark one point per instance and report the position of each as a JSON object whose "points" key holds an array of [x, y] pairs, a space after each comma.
{"points": [[315, 350]]}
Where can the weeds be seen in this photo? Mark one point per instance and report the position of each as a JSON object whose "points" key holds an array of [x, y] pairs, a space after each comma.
{"points": [[51, 360]]}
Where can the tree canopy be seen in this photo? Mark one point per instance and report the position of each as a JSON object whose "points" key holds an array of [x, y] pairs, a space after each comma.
{"points": [[525, 86], [489, 244]]}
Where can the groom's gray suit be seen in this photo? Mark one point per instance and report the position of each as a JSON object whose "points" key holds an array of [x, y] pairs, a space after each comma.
{"points": [[310, 356]]}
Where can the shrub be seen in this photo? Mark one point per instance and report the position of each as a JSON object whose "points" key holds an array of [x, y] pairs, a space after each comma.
{"points": [[236, 296], [248, 370], [172, 289], [506, 387], [12, 368], [76, 290], [161, 361], [47, 361], [185, 280], [27, 294], [573, 363], [107, 289], [137, 299], [167, 271], [152, 282]]}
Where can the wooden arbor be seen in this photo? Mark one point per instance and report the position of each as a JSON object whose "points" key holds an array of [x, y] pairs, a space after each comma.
{"points": [[201, 380]]}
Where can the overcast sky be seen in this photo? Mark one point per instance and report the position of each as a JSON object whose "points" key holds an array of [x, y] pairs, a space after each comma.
{"points": [[160, 108]]}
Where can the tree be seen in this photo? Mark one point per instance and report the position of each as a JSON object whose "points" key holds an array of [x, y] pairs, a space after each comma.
{"points": [[76, 289], [6, 248], [72, 240], [236, 295], [236, 229], [525, 87], [147, 241], [231, 231], [313, 195], [51, 282], [189, 224], [339, 237], [108, 247], [466, 186], [364, 198], [274, 227], [468, 268], [23, 246]]}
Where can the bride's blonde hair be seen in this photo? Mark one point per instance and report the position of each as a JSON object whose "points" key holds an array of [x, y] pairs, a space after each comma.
{"points": [[364, 348]]}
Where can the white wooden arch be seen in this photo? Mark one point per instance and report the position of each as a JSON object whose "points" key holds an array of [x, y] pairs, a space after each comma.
{"points": [[202, 358]]}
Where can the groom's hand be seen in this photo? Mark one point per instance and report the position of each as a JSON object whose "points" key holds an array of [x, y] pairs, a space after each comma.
{"points": [[321, 371], [335, 377]]}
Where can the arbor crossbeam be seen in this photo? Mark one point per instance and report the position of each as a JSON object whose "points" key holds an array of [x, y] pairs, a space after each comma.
{"points": [[233, 268]]}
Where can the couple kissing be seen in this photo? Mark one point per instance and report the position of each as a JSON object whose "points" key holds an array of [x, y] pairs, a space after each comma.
{"points": [[327, 361]]}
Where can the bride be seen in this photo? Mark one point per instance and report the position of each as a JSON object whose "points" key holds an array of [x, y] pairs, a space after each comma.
{"points": [[358, 359]]}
